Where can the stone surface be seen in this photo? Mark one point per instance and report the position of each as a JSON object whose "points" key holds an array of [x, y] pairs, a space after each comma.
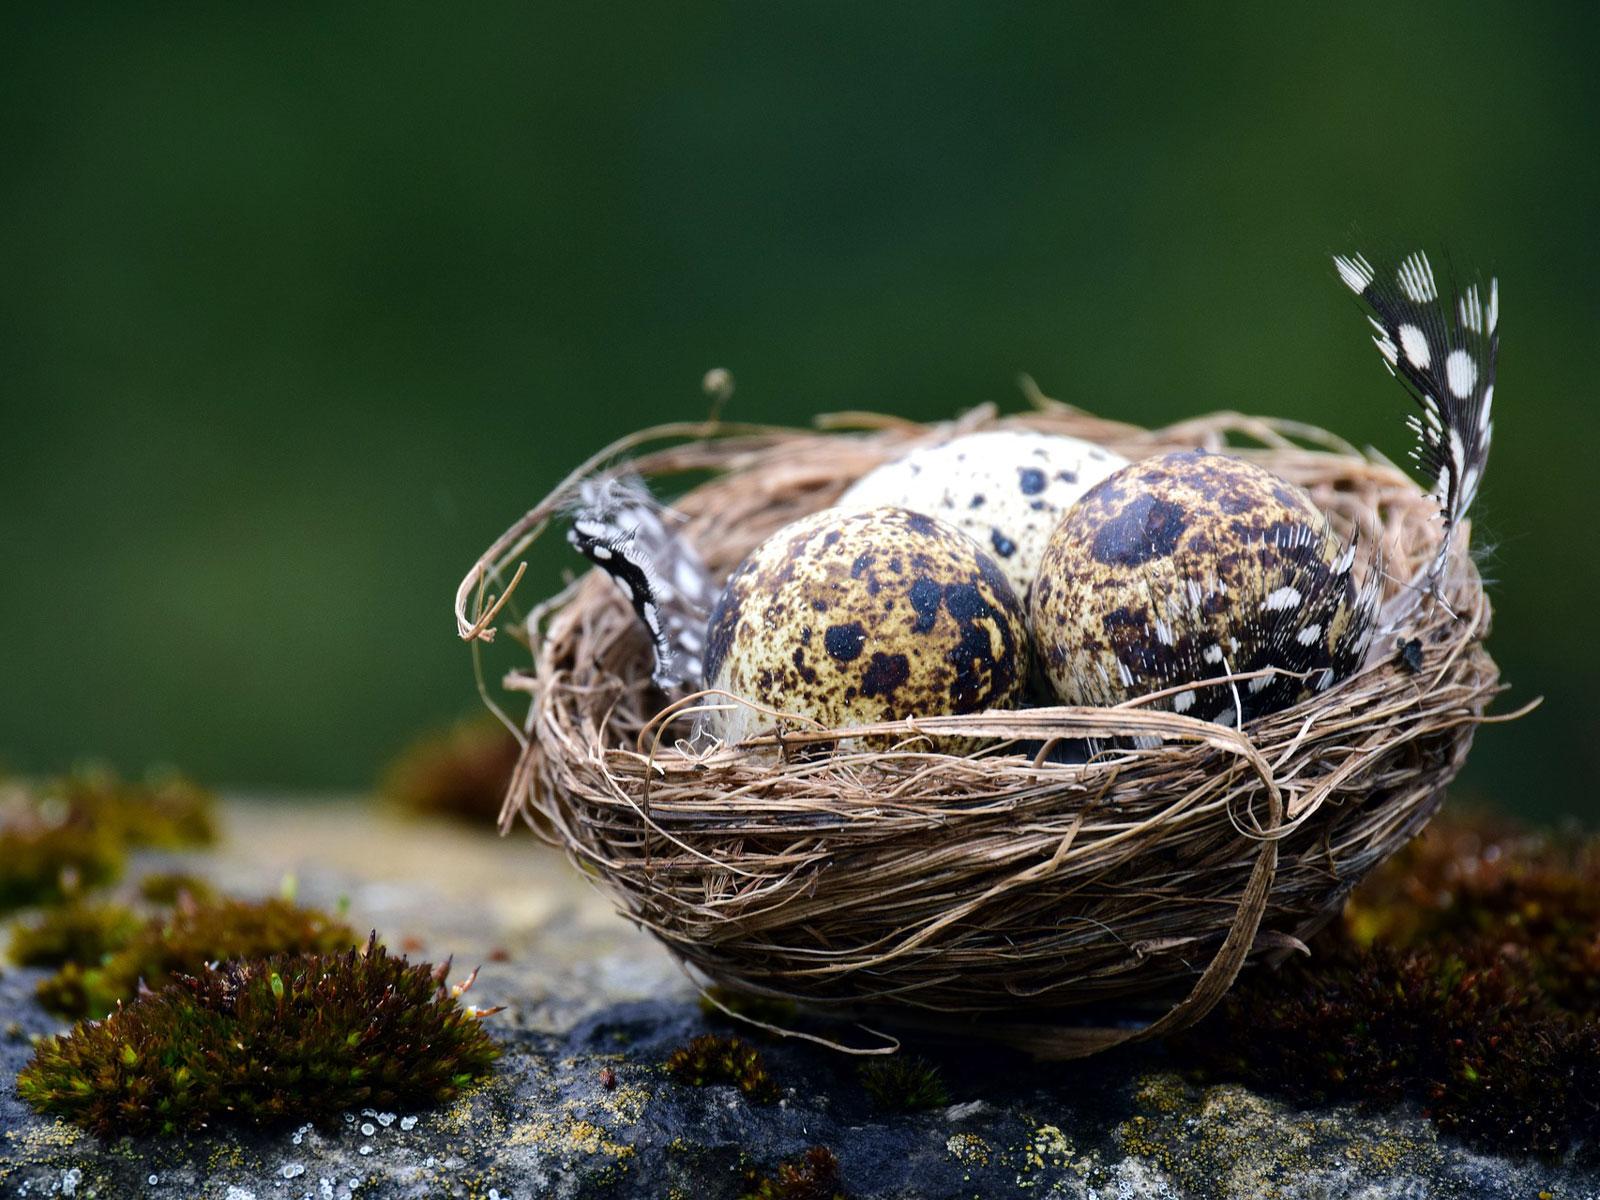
{"points": [[587, 994]]}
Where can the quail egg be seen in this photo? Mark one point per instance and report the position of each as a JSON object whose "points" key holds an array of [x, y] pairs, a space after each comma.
{"points": [[1004, 488], [1191, 566], [853, 618]]}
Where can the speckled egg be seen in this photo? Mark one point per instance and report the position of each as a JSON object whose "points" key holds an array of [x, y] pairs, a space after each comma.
{"points": [[1006, 489], [1190, 566], [852, 618]]}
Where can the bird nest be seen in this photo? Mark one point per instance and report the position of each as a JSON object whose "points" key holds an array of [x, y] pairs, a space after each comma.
{"points": [[1066, 907]]}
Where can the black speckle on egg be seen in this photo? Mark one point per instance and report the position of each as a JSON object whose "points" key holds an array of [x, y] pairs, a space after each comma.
{"points": [[1003, 546], [925, 596], [965, 601], [1145, 528], [844, 642], [1031, 480], [885, 674]]}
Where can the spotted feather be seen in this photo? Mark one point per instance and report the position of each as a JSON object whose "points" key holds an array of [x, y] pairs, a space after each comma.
{"points": [[1443, 348], [621, 528]]}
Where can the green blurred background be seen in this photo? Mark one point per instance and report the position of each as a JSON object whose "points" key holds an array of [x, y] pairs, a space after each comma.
{"points": [[300, 305]]}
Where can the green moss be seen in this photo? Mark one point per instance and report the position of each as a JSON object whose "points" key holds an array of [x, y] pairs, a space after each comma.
{"points": [[289, 1038], [43, 863], [904, 1083], [1464, 977], [712, 1059], [70, 835], [164, 810], [462, 771], [813, 1175], [80, 932], [166, 887], [183, 942]]}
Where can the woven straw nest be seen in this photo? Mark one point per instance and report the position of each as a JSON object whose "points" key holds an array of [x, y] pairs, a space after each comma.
{"points": [[1066, 908]]}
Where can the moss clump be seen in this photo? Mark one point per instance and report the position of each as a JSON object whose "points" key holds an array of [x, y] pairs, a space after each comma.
{"points": [[66, 836], [904, 1083], [462, 771], [165, 809], [1464, 977], [712, 1059], [80, 932], [813, 1175], [1478, 881], [289, 1038], [771, 1009], [184, 941], [168, 887], [45, 863]]}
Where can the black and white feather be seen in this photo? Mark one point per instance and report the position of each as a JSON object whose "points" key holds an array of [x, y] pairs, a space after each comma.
{"points": [[621, 528], [1443, 348]]}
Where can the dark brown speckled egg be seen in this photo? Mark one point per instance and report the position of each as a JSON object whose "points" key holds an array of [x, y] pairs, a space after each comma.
{"points": [[1191, 566], [853, 618]]}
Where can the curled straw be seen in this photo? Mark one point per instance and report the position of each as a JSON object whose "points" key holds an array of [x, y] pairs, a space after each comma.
{"points": [[1015, 895]]}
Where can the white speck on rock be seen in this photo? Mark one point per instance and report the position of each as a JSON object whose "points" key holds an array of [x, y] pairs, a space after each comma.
{"points": [[293, 1170], [153, 1180], [238, 1193], [386, 1119], [368, 1129], [960, 1112], [408, 1123], [365, 1150], [70, 1180]]}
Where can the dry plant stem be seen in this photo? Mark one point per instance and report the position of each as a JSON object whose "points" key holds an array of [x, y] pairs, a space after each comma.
{"points": [[1000, 889]]}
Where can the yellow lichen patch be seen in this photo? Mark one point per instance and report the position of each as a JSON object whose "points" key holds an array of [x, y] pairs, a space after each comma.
{"points": [[1230, 1140], [1163, 1093], [458, 1117], [1050, 1147], [1047, 1147], [625, 1102], [968, 1148], [45, 1140], [567, 1133]]}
